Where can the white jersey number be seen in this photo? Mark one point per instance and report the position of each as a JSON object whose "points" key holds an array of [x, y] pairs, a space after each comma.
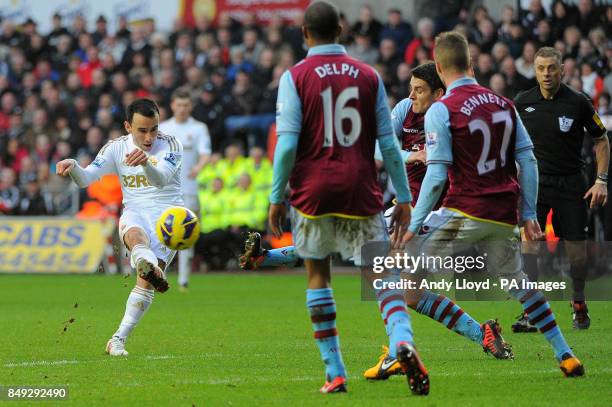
{"points": [[484, 166], [333, 120]]}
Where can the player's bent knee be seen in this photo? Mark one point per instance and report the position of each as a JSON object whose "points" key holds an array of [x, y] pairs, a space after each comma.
{"points": [[135, 235]]}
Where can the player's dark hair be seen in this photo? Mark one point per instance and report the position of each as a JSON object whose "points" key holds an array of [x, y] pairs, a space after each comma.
{"points": [[180, 93], [145, 107], [452, 52], [322, 19], [427, 72]]}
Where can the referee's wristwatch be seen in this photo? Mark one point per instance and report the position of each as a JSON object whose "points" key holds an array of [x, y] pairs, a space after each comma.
{"points": [[602, 178]]}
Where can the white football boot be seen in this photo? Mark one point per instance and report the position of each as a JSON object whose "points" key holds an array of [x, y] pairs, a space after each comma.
{"points": [[116, 347]]}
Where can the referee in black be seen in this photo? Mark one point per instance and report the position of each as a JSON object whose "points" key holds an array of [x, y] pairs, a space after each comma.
{"points": [[556, 117]]}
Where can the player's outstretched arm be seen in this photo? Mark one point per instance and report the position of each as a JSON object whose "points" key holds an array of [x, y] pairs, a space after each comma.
{"points": [[102, 165]]}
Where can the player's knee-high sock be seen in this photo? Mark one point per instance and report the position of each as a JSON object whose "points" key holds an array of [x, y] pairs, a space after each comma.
{"points": [[138, 303], [184, 266], [322, 308], [141, 251], [538, 310], [285, 256], [392, 307], [578, 282], [449, 314]]}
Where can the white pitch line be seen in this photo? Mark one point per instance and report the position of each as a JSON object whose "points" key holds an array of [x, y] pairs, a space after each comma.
{"points": [[34, 363], [42, 363]]}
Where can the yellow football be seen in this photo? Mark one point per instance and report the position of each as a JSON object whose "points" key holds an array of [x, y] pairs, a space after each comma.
{"points": [[178, 228]]}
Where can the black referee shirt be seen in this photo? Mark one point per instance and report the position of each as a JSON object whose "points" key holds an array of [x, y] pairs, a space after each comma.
{"points": [[557, 126]]}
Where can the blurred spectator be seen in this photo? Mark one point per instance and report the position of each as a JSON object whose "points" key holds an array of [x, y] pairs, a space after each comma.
{"points": [[507, 19], [425, 38], [499, 52], [262, 75], [260, 169], [13, 155], [484, 69], [571, 37], [232, 166], [515, 82], [543, 35], [238, 64], [530, 18], [209, 110], [524, 64], [604, 107], [57, 31], [515, 40], [362, 49], [9, 194], [485, 36], [497, 83], [388, 55], [563, 16], [400, 88], [216, 242], [587, 16], [101, 30], [245, 212], [251, 47], [93, 143], [245, 110], [446, 14], [591, 82], [32, 202], [367, 24], [397, 30]]}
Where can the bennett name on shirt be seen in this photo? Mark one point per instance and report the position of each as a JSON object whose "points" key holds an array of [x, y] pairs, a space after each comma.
{"points": [[481, 99]]}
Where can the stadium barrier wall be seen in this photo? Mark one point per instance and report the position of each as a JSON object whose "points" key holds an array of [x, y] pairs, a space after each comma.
{"points": [[51, 244]]}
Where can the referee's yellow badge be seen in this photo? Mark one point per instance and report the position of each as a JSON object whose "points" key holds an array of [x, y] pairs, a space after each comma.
{"points": [[598, 121]]}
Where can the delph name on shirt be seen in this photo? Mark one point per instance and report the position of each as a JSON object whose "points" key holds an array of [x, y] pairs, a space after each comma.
{"points": [[332, 69], [478, 100]]}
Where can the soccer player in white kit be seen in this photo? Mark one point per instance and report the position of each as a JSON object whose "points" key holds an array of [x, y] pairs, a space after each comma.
{"points": [[195, 139], [148, 164]]}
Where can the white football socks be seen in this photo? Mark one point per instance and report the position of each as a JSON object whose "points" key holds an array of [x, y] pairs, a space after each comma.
{"points": [[140, 251], [138, 303], [184, 266]]}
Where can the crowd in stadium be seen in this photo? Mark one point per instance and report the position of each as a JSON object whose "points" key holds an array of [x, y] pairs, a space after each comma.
{"points": [[63, 92]]}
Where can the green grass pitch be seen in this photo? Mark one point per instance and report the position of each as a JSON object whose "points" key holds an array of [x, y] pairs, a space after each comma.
{"points": [[245, 339]]}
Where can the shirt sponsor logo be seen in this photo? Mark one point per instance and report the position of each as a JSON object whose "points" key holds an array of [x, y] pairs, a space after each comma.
{"points": [[407, 130], [171, 158], [565, 124], [530, 109], [431, 139], [98, 162]]}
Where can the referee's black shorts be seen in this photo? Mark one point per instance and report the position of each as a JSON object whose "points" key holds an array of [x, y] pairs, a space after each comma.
{"points": [[564, 195]]}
